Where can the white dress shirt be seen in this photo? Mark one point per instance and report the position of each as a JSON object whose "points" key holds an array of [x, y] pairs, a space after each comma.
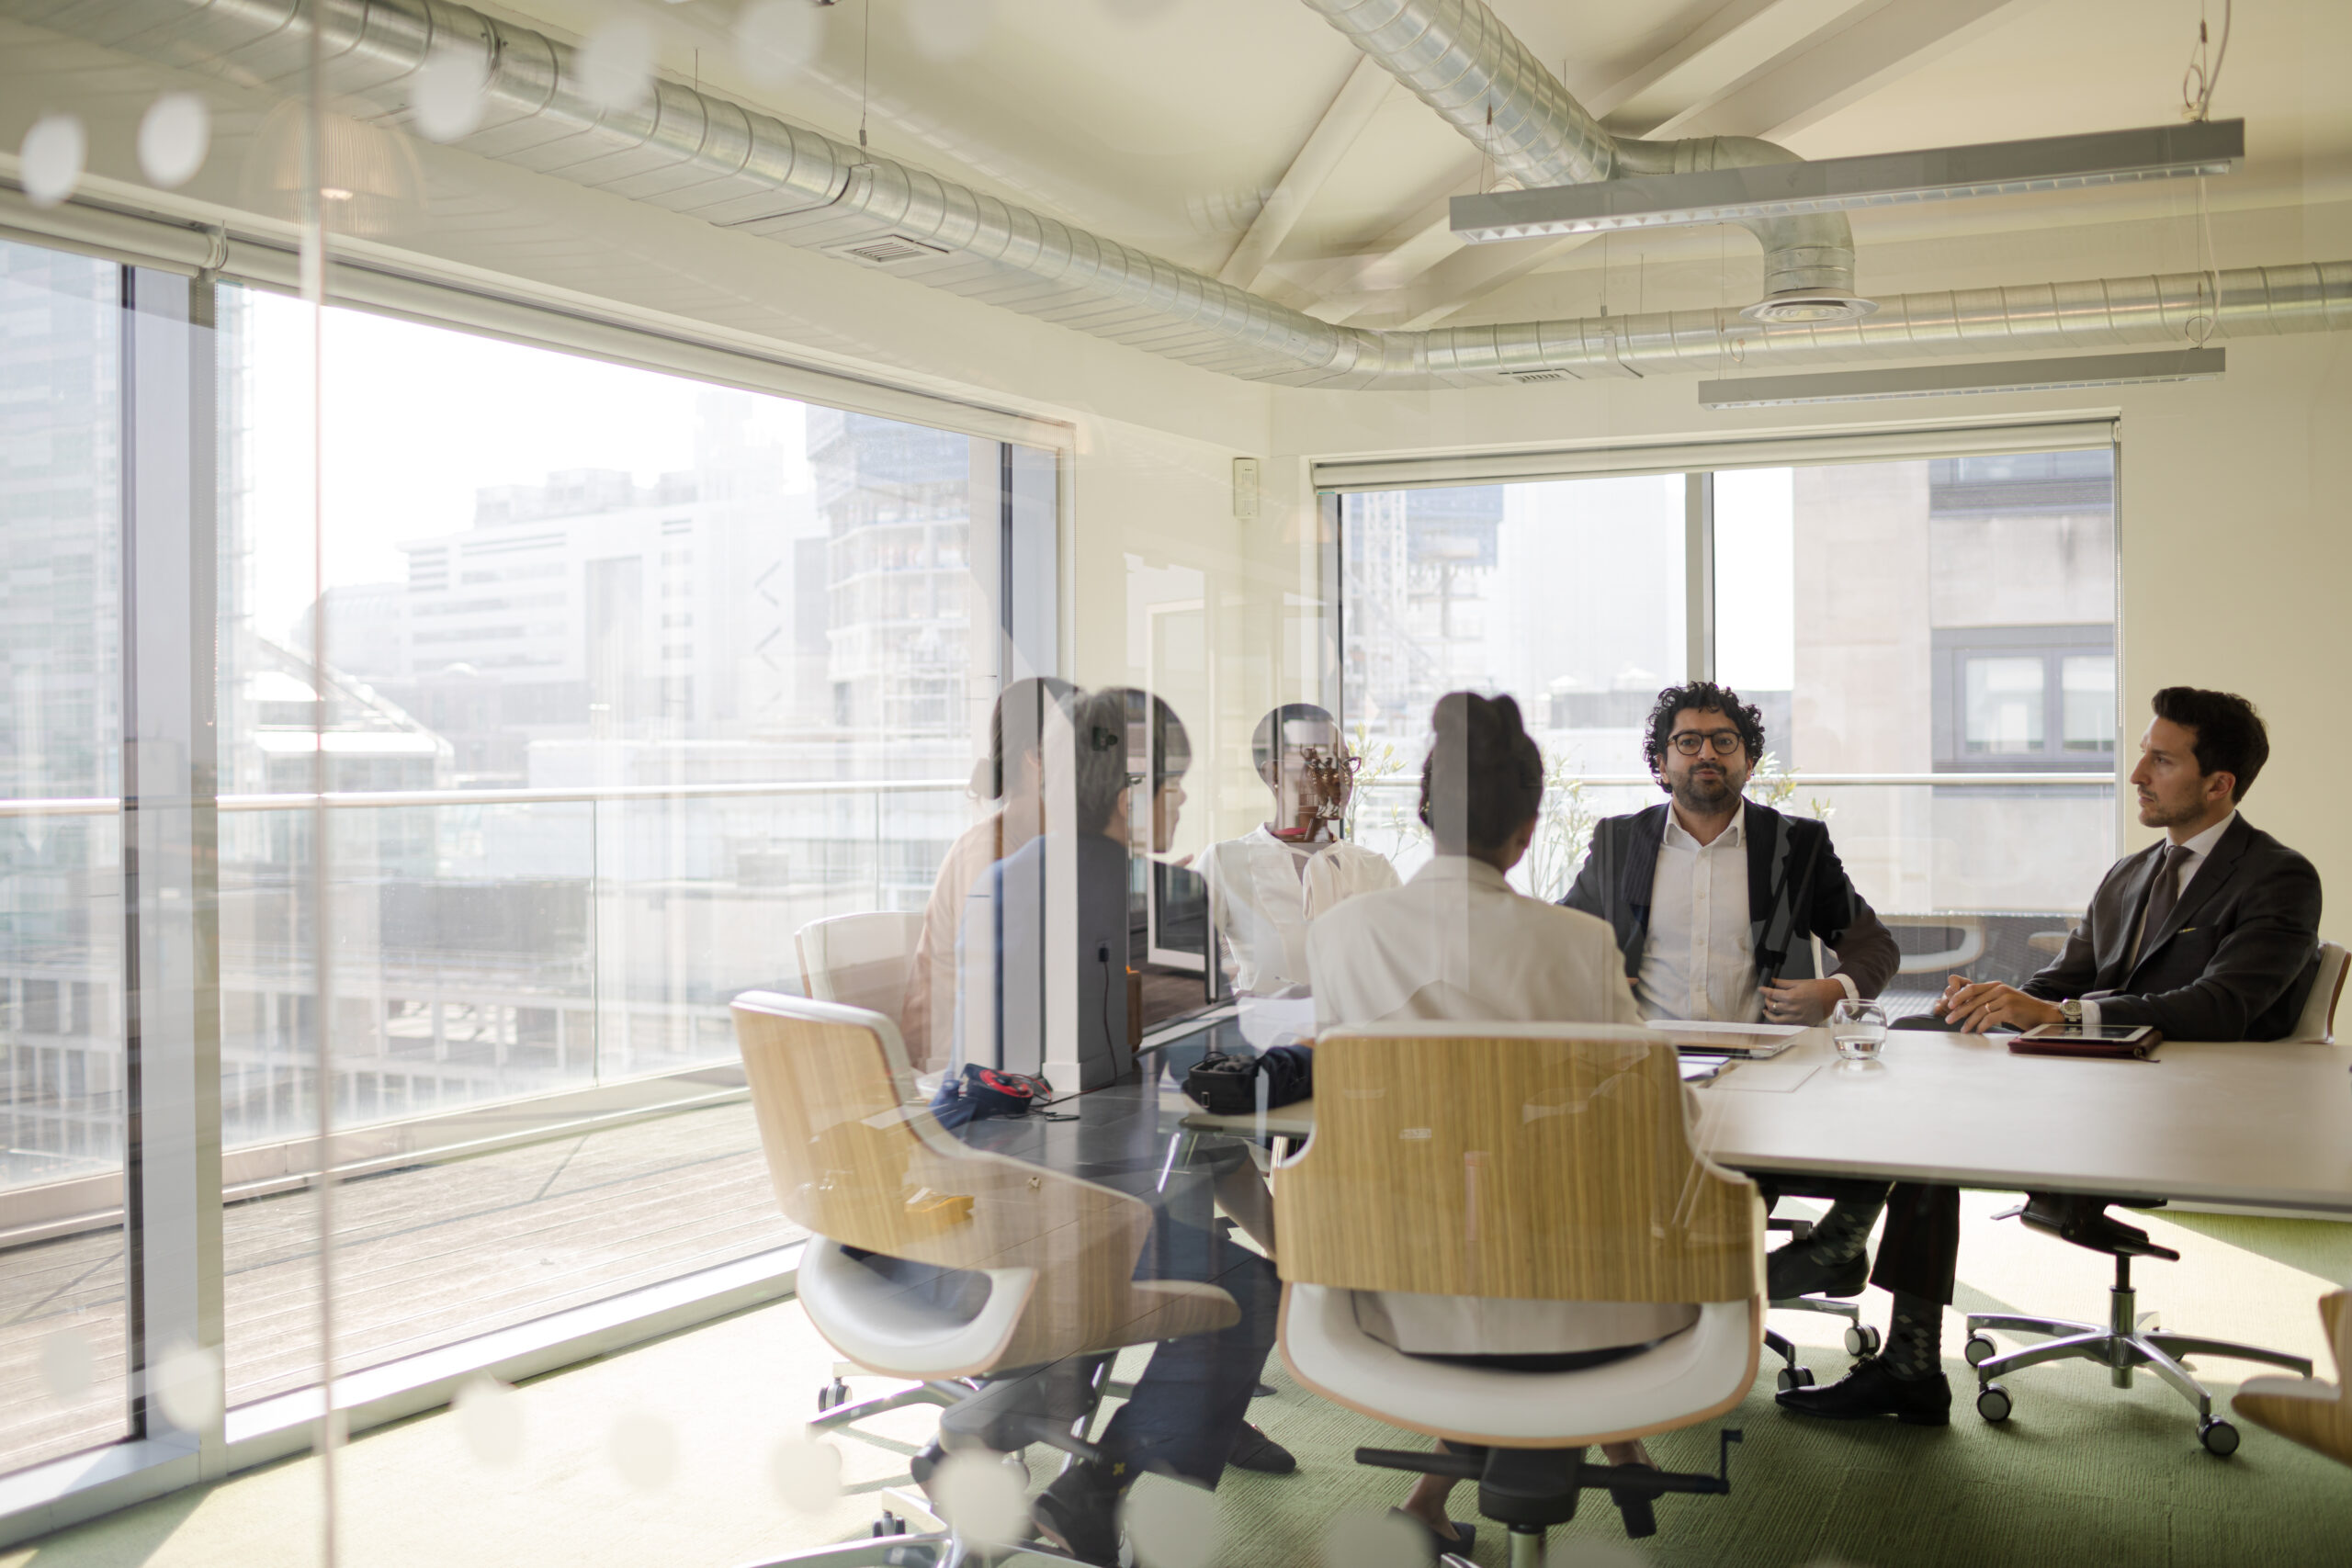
{"points": [[1699, 960], [1458, 941], [2191, 864]]}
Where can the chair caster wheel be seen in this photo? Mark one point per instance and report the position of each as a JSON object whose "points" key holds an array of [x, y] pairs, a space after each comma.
{"points": [[1795, 1377], [1979, 1350], [2219, 1438], [1862, 1341], [889, 1524], [833, 1394], [1993, 1402]]}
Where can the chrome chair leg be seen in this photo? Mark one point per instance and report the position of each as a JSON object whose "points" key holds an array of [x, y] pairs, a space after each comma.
{"points": [[1526, 1549], [940, 1393], [2191, 1345]]}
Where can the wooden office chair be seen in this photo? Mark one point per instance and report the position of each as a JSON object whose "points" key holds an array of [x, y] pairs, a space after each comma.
{"points": [[1526, 1162], [2317, 1414], [860, 960], [1002, 1288], [2318, 1021]]}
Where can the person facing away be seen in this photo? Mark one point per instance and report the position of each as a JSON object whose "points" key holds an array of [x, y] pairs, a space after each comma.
{"points": [[1013, 776], [1266, 887], [2209, 933], [1715, 899], [1458, 941]]}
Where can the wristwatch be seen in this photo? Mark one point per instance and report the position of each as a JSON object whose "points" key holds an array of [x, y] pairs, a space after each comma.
{"points": [[2071, 1009]]}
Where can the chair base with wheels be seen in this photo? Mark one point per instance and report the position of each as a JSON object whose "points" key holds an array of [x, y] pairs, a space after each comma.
{"points": [[2129, 1340], [1528, 1491]]}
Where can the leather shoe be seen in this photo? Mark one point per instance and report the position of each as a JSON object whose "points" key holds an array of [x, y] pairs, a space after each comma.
{"points": [[1871, 1389], [1794, 1271], [1079, 1513], [1252, 1450]]}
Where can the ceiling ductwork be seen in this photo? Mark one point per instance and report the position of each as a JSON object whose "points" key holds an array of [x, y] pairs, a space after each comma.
{"points": [[704, 157], [1457, 57]]}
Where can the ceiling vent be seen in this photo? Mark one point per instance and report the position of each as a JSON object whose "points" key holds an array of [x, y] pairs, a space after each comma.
{"points": [[1524, 377], [886, 249]]}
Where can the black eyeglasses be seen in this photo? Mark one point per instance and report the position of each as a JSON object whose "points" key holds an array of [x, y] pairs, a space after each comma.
{"points": [[1691, 742]]}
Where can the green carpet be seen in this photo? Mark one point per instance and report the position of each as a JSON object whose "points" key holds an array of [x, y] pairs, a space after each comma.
{"points": [[2082, 1476]]}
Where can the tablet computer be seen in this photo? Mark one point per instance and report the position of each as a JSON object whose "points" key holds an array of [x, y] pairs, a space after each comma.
{"points": [[2110, 1041]]}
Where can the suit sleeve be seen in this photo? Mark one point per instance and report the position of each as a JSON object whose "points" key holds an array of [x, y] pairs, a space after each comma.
{"points": [[2075, 969], [1844, 919], [1589, 895], [2260, 956]]}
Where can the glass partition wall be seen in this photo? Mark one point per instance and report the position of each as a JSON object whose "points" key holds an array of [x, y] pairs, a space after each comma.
{"points": [[597, 685], [1931, 645]]}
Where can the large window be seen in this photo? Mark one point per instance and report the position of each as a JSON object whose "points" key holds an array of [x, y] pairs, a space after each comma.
{"points": [[614, 682], [1932, 645]]}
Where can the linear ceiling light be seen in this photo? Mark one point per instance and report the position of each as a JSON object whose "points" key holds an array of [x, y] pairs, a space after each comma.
{"points": [[1946, 380], [1881, 179]]}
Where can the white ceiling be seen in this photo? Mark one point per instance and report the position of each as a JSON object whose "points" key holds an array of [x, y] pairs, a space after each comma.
{"points": [[1166, 123]]}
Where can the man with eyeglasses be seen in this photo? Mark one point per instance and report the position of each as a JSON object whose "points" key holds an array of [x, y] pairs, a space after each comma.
{"points": [[1716, 902]]}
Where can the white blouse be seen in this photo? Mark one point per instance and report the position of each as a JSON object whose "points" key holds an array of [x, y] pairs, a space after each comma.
{"points": [[1263, 892]]}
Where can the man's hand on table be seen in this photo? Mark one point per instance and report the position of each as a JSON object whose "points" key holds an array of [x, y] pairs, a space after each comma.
{"points": [[1980, 1005], [1800, 1001]]}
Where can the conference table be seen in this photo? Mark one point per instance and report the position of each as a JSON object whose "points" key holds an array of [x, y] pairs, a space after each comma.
{"points": [[2242, 1123]]}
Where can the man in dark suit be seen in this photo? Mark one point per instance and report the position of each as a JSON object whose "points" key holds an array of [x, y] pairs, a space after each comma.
{"points": [[1716, 901], [2210, 934]]}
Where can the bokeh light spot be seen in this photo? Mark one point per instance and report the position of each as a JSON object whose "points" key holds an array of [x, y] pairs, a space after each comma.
{"points": [[807, 1474], [50, 158], [68, 1366], [490, 1415], [1173, 1525], [174, 136], [644, 1448]]}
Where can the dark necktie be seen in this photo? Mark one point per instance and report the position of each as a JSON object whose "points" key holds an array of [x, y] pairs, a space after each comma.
{"points": [[2164, 894]]}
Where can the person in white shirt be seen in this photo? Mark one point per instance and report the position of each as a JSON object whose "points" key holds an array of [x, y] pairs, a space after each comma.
{"points": [[1458, 941], [1267, 886]]}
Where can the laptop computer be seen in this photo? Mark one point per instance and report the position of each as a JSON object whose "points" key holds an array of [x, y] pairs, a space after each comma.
{"points": [[1740, 1042]]}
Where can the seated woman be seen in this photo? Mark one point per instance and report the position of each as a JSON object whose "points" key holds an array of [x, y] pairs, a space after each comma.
{"points": [[1011, 776], [1458, 943], [1266, 886]]}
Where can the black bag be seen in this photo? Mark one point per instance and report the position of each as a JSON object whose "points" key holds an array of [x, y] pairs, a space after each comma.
{"points": [[1226, 1085]]}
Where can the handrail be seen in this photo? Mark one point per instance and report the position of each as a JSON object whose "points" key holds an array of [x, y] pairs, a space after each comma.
{"points": [[92, 806]]}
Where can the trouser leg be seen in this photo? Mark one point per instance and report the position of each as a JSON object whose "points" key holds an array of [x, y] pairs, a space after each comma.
{"points": [[1189, 1404], [1918, 1252]]}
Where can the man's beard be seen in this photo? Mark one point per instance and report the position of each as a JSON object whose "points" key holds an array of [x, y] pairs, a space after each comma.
{"points": [[2154, 814], [1696, 794]]}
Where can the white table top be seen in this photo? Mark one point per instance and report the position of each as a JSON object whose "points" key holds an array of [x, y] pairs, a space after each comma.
{"points": [[2261, 1126], [2266, 1125]]}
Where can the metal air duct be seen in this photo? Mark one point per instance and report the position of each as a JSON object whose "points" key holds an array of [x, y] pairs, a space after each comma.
{"points": [[1458, 58], [701, 156]]}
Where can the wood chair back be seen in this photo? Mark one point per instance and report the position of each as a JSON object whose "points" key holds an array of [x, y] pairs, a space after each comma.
{"points": [[852, 1163], [1533, 1161], [2320, 1423], [2318, 1021]]}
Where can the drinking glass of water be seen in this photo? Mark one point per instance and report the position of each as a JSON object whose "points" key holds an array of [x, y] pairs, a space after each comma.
{"points": [[1858, 1030]]}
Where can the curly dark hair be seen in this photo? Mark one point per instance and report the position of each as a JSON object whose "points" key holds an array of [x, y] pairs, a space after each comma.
{"points": [[1704, 696], [1484, 778]]}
